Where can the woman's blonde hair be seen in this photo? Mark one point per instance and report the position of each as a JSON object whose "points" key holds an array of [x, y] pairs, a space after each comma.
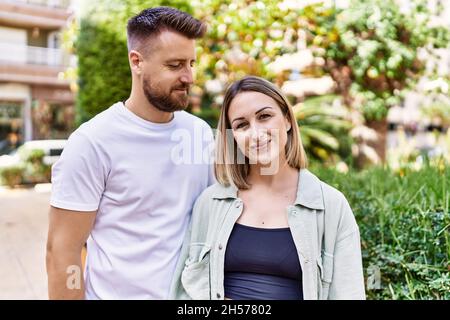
{"points": [[228, 169]]}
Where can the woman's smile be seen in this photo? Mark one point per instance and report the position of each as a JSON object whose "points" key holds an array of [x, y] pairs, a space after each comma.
{"points": [[261, 145]]}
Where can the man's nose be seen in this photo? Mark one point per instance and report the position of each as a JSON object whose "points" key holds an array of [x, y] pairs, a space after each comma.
{"points": [[187, 77]]}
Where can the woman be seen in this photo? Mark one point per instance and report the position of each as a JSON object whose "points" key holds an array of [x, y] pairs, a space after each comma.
{"points": [[269, 228]]}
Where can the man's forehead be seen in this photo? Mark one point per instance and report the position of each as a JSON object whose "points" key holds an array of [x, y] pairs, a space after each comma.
{"points": [[174, 44]]}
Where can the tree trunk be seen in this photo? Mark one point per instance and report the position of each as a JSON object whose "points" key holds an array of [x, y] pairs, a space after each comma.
{"points": [[381, 127]]}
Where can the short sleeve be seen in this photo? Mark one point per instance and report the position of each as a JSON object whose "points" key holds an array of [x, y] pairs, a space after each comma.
{"points": [[79, 176]]}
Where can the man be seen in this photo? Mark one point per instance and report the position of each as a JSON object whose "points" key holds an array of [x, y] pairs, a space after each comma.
{"points": [[117, 184]]}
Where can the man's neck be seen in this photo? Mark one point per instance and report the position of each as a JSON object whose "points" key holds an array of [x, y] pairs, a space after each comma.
{"points": [[143, 109]]}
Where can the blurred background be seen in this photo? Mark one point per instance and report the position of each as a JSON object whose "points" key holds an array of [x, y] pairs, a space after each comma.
{"points": [[368, 81]]}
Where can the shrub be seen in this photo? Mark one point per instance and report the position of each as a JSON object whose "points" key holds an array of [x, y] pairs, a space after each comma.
{"points": [[33, 156], [12, 176], [35, 170], [403, 219]]}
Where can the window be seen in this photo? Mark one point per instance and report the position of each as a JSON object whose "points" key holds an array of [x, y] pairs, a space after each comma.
{"points": [[11, 126]]}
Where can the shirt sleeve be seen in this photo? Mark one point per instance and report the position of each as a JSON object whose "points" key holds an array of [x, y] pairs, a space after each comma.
{"points": [[79, 176], [210, 149], [348, 276]]}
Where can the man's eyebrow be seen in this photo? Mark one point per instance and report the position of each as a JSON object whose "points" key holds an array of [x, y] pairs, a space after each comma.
{"points": [[180, 60]]}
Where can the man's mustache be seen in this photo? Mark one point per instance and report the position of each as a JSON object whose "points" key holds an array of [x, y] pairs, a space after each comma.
{"points": [[184, 87]]}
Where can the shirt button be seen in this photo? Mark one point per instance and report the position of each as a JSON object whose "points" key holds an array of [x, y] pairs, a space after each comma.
{"points": [[306, 261], [220, 246], [218, 295], [238, 204]]}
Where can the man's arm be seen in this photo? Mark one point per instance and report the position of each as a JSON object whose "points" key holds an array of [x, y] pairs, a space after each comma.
{"points": [[68, 232]]}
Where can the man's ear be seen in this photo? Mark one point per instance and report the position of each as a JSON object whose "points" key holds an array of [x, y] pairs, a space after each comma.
{"points": [[135, 59]]}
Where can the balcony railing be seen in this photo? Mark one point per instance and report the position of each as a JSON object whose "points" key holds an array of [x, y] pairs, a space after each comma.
{"points": [[20, 54], [64, 4]]}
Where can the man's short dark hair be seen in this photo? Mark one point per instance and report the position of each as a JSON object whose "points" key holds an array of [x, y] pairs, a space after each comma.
{"points": [[152, 21]]}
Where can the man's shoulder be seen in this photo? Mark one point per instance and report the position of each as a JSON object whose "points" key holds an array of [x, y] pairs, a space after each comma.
{"points": [[97, 126], [190, 120], [102, 118]]}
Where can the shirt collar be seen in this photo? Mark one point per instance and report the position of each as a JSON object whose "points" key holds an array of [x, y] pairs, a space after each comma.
{"points": [[309, 191]]}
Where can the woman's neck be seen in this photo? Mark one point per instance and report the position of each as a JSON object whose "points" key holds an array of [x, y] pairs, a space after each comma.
{"points": [[285, 175]]}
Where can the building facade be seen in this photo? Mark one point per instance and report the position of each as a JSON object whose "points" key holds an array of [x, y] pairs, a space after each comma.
{"points": [[35, 101]]}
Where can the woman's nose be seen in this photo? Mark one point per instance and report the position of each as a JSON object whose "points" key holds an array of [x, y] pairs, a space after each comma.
{"points": [[257, 132]]}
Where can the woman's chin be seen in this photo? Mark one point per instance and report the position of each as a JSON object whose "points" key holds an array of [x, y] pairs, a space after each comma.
{"points": [[263, 160]]}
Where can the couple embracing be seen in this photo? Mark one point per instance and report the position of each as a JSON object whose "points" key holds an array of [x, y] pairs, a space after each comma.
{"points": [[247, 221]]}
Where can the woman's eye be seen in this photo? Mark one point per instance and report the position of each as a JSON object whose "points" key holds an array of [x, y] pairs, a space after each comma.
{"points": [[174, 66], [240, 126], [265, 116]]}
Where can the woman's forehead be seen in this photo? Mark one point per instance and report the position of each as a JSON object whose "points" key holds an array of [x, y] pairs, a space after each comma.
{"points": [[249, 102]]}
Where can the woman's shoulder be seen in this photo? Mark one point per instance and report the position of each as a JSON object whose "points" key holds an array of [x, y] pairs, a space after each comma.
{"points": [[217, 191], [338, 212], [207, 208], [331, 193], [328, 192]]}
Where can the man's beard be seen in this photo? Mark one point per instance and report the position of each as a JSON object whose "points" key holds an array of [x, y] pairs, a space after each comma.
{"points": [[165, 102]]}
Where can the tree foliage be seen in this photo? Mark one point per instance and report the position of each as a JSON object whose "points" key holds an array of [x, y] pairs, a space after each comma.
{"points": [[372, 47]]}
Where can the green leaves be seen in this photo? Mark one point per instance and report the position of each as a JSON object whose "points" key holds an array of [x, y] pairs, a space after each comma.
{"points": [[379, 43], [104, 74], [404, 224], [323, 127], [244, 37]]}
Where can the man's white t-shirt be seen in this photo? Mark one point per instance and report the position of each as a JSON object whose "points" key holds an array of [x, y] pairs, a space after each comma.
{"points": [[142, 178]]}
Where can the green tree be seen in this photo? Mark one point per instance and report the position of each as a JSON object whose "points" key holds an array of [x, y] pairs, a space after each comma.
{"points": [[371, 50]]}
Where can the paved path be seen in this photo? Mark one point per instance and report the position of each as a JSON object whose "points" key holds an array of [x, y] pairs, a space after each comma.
{"points": [[23, 234]]}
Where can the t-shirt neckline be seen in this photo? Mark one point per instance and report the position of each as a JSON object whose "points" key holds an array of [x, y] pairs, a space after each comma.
{"points": [[142, 122]]}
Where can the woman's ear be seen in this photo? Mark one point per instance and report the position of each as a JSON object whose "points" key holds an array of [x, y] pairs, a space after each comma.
{"points": [[288, 124]]}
